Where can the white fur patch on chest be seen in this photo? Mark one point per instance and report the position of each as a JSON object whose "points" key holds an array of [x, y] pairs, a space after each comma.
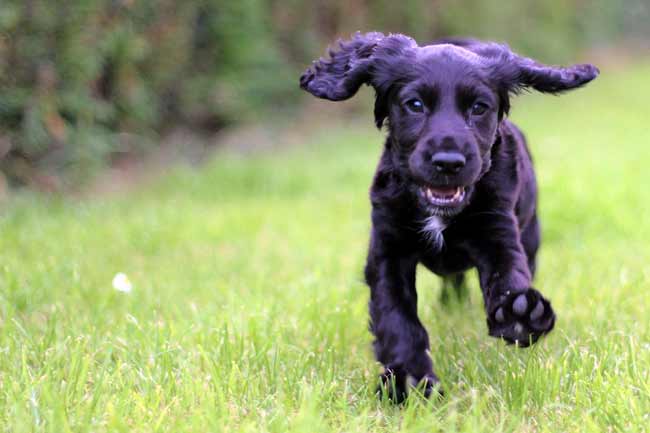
{"points": [[432, 231]]}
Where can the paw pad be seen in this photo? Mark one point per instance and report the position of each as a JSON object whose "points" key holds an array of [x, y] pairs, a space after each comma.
{"points": [[521, 318]]}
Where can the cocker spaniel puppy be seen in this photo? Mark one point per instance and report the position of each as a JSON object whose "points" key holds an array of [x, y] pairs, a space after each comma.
{"points": [[454, 188]]}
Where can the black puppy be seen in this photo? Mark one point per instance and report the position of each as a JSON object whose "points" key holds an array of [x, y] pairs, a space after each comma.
{"points": [[454, 188]]}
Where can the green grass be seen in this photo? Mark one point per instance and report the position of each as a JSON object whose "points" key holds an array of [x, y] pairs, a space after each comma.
{"points": [[248, 312]]}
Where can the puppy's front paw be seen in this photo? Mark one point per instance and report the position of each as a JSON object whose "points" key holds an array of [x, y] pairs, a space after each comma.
{"points": [[521, 317], [396, 385]]}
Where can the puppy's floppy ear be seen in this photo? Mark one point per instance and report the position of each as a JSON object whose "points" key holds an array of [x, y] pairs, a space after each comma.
{"points": [[521, 72], [514, 73], [553, 79], [354, 63]]}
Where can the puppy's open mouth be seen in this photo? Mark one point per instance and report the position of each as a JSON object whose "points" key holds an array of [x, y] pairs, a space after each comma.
{"points": [[443, 196]]}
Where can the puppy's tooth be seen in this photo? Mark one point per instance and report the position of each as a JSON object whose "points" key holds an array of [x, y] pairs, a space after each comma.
{"points": [[499, 315]]}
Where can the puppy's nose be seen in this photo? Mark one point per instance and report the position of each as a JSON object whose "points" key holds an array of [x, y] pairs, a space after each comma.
{"points": [[448, 162]]}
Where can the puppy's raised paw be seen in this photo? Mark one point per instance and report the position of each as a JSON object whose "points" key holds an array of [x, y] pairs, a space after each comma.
{"points": [[521, 318]]}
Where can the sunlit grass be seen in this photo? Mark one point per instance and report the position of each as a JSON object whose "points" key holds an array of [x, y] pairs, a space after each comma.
{"points": [[247, 310]]}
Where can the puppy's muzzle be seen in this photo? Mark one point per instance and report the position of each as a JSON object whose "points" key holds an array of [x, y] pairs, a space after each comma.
{"points": [[448, 162]]}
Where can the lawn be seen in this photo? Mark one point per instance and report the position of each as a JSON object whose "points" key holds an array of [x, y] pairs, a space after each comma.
{"points": [[248, 308]]}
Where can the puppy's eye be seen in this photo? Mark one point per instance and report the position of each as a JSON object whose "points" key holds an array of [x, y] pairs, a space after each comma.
{"points": [[415, 105], [479, 109]]}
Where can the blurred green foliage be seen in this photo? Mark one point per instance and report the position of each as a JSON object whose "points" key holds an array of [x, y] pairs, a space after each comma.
{"points": [[77, 76]]}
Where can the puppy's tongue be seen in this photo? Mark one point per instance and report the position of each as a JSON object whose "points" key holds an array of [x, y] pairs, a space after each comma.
{"points": [[444, 192]]}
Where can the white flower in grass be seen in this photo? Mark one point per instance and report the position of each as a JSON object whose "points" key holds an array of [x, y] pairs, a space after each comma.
{"points": [[121, 283]]}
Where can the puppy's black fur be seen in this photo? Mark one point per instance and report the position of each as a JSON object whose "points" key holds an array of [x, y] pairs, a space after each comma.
{"points": [[454, 188]]}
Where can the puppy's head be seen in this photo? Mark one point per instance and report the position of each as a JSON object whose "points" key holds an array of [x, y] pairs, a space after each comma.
{"points": [[443, 103]]}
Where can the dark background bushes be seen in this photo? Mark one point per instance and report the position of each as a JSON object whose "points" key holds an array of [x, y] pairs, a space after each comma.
{"points": [[79, 79]]}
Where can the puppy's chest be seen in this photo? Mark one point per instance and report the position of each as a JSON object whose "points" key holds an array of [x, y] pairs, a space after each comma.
{"points": [[433, 232], [443, 251]]}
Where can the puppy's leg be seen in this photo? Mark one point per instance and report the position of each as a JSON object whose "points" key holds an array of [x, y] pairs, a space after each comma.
{"points": [[454, 288], [530, 240], [516, 311], [401, 343]]}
